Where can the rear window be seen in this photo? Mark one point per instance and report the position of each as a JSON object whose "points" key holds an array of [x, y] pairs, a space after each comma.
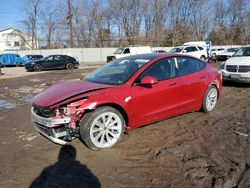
{"points": [[188, 65]]}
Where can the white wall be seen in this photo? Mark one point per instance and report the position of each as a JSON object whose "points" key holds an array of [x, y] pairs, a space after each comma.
{"points": [[87, 55], [84, 55]]}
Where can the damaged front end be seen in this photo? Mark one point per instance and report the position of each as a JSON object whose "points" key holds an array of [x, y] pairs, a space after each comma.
{"points": [[60, 125]]}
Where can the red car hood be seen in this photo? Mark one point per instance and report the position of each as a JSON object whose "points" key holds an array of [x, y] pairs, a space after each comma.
{"points": [[64, 90]]}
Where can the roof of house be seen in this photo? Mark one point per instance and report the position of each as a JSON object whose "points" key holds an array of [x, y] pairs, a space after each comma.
{"points": [[14, 30]]}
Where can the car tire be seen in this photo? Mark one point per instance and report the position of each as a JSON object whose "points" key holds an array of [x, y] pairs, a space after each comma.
{"points": [[210, 99], [37, 67], [70, 66], [203, 58], [102, 128]]}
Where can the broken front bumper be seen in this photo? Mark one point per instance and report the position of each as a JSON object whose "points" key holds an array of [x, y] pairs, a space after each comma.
{"points": [[52, 128]]}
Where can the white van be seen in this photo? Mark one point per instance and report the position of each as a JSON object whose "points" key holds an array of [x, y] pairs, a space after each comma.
{"points": [[127, 51]]}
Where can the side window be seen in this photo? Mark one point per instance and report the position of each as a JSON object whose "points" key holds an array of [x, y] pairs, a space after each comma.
{"points": [[161, 70], [193, 49], [188, 65], [126, 51], [187, 49], [58, 58], [50, 58], [200, 48]]}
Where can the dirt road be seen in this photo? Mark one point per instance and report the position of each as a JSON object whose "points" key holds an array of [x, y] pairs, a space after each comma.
{"points": [[192, 150]]}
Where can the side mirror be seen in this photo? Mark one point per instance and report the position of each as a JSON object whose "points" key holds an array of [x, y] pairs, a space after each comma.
{"points": [[148, 80]]}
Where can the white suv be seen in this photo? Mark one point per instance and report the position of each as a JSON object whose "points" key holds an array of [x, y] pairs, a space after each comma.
{"points": [[237, 68], [196, 51]]}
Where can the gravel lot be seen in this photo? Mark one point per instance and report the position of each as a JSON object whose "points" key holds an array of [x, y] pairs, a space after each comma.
{"points": [[191, 150]]}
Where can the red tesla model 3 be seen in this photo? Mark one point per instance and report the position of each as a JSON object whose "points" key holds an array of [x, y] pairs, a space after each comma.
{"points": [[125, 94]]}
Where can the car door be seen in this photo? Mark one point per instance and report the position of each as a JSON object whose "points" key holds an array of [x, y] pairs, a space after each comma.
{"points": [[158, 101], [60, 61], [48, 62], [191, 70]]}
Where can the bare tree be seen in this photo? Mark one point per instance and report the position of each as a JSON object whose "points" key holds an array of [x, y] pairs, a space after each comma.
{"points": [[31, 10], [50, 22]]}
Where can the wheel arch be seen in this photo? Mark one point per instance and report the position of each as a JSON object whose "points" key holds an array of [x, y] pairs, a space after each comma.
{"points": [[119, 108], [216, 85]]}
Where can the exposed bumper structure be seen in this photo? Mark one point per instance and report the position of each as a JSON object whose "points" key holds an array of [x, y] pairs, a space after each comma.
{"points": [[52, 128]]}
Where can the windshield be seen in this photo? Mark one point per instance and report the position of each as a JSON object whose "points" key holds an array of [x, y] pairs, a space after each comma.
{"points": [[118, 51], [117, 72], [244, 51], [175, 50]]}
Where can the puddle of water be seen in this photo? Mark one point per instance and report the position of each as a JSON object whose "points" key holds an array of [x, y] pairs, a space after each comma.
{"points": [[27, 98], [6, 105]]}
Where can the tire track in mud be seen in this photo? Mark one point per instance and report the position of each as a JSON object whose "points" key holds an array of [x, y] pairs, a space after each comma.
{"points": [[205, 148]]}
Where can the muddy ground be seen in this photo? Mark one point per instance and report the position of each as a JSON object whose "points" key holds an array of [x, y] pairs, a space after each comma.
{"points": [[191, 150]]}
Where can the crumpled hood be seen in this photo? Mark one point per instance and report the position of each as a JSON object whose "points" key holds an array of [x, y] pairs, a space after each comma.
{"points": [[238, 61], [64, 90]]}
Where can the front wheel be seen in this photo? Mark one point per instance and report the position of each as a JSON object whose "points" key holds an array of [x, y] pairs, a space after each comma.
{"points": [[210, 99], [70, 66], [102, 128]]}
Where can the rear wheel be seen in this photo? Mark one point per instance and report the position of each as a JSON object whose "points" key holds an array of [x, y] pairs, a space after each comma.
{"points": [[210, 99], [203, 58], [37, 67], [70, 66], [102, 128]]}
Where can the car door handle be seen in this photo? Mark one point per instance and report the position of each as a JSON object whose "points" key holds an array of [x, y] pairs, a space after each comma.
{"points": [[172, 84], [202, 77]]}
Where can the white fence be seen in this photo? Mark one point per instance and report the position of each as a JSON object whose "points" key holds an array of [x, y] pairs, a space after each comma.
{"points": [[84, 55], [88, 55]]}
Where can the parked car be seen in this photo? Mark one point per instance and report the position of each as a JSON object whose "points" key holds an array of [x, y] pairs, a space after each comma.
{"points": [[160, 51], [28, 58], [131, 50], [125, 94], [226, 54], [10, 59], [52, 62], [237, 68], [195, 51], [216, 51]]}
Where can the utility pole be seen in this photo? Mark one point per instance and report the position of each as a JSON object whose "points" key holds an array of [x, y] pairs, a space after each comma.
{"points": [[70, 24]]}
